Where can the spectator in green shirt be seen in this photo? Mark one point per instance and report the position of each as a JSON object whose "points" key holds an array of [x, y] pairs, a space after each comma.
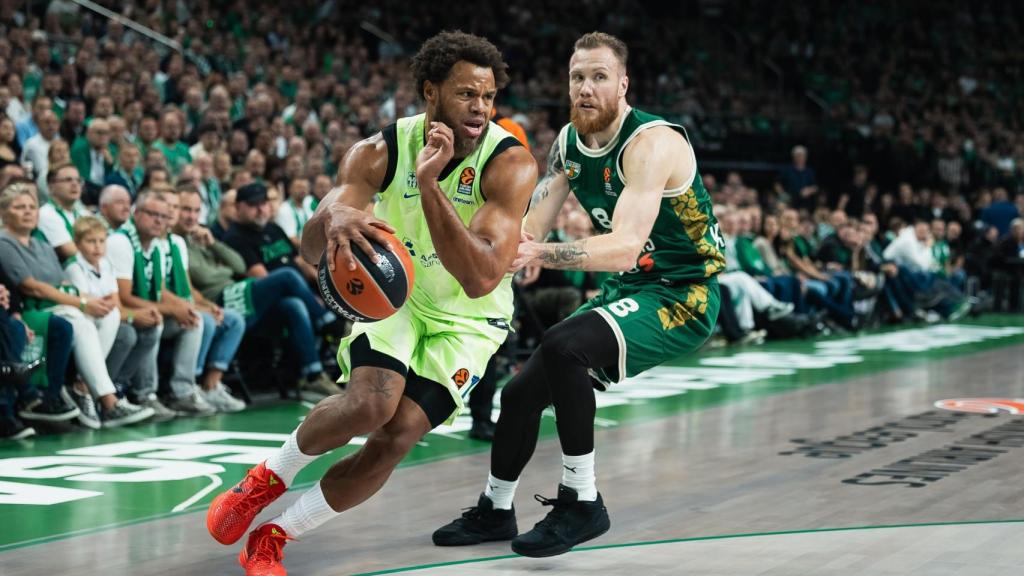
{"points": [[170, 143]]}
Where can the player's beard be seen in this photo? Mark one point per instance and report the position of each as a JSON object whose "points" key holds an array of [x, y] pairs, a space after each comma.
{"points": [[463, 146], [592, 124]]}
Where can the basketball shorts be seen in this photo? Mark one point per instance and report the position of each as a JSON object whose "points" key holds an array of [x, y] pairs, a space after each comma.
{"points": [[653, 323], [449, 351]]}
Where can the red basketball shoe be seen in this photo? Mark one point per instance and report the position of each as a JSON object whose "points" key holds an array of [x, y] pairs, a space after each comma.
{"points": [[262, 554], [231, 513]]}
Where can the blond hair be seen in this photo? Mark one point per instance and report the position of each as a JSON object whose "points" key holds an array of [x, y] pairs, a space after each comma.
{"points": [[593, 40], [87, 225]]}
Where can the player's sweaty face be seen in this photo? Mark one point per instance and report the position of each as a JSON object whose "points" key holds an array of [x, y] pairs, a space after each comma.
{"points": [[464, 103], [595, 85]]}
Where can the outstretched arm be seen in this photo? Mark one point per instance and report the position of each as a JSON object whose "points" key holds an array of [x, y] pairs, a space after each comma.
{"points": [[648, 164], [478, 256]]}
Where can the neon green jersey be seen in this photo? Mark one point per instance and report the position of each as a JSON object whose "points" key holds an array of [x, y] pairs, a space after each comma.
{"points": [[436, 291]]}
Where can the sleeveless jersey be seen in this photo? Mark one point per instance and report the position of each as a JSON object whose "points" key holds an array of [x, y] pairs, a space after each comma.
{"points": [[435, 290], [685, 245]]}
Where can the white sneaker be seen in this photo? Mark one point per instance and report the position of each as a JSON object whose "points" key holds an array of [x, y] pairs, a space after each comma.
{"points": [[779, 310], [221, 399], [192, 405]]}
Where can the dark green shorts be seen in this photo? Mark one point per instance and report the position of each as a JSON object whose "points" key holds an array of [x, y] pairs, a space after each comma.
{"points": [[653, 323]]}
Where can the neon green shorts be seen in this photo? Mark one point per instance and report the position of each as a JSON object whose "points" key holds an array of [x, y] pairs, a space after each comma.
{"points": [[653, 323], [452, 351]]}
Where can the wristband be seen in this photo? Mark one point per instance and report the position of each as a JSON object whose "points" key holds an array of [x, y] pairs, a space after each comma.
{"points": [[130, 318], [81, 303]]}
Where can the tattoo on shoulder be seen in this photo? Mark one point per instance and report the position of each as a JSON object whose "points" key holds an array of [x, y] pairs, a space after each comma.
{"points": [[555, 159], [555, 168], [565, 255]]}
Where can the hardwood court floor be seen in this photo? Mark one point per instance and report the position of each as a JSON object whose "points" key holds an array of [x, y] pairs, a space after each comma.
{"points": [[765, 458]]}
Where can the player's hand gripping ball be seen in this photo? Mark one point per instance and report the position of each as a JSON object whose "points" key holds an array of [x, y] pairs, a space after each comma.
{"points": [[374, 290]]}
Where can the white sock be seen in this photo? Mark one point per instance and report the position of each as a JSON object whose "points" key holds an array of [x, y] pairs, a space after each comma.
{"points": [[289, 460], [501, 492], [306, 513], [578, 474]]}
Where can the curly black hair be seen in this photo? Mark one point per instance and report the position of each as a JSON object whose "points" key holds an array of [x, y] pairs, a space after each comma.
{"points": [[438, 54]]}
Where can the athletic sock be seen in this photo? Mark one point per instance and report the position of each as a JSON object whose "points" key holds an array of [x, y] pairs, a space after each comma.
{"points": [[306, 513], [501, 492], [289, 460], [578, 474]]}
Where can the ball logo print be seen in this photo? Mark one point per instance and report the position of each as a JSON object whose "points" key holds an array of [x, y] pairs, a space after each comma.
{"points": [[380, 284]]}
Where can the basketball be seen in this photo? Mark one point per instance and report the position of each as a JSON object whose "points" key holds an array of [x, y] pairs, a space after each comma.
{"points": [[373, 291]]}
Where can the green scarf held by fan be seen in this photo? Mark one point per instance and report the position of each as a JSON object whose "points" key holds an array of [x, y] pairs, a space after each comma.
{"points": [[179, 278]]}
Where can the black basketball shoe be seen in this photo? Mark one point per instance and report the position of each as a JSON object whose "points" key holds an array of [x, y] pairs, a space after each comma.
{"points": [[481, 523], [569, 523]]}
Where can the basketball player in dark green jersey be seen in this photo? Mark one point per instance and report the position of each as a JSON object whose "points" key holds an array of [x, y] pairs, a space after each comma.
{"points": [[636, 175]]}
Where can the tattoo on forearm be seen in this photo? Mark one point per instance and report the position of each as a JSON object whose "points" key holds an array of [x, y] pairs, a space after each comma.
{"points": [[564, 256], [381, 385]]}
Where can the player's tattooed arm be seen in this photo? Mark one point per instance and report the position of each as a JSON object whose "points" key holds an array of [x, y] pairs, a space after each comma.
{"points": [[648, 163], [564, 256], [548, 196], [555, 169]]}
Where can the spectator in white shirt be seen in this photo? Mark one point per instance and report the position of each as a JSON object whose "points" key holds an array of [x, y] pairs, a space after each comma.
{"points": [[37, 148], [57, 217], [93, 275], [294, 212], [912, 248]]}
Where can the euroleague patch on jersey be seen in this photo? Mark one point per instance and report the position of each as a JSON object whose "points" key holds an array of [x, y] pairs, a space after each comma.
{"points": [[466, 180], [1013, 406], [460, 377], [572, 169]]}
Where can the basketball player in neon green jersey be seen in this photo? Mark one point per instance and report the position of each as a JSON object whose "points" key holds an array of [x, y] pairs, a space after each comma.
{"points": [[454, 188], [636, 176]]}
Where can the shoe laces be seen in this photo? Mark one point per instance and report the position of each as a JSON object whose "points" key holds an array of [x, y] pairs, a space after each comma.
{"points": [[473, 514], [559, 510], [259, 494], [269, 548]]}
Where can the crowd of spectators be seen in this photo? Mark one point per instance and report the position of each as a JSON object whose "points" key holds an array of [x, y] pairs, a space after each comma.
{"points": [[152, 199]]}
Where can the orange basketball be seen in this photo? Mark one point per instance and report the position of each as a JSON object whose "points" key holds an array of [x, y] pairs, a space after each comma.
{"points": [[373, 291]]}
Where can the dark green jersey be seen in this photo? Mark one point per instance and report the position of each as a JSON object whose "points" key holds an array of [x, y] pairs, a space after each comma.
{"points": [[685, 244]]}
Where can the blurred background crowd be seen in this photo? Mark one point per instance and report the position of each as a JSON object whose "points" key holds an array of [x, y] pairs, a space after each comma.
{"points": [[857, 182]]}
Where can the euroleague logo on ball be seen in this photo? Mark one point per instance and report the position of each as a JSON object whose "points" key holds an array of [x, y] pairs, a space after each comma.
{"points": [[355, 286]]}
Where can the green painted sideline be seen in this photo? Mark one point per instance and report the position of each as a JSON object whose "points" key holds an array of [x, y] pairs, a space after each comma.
{"points": [[697, 539]]}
